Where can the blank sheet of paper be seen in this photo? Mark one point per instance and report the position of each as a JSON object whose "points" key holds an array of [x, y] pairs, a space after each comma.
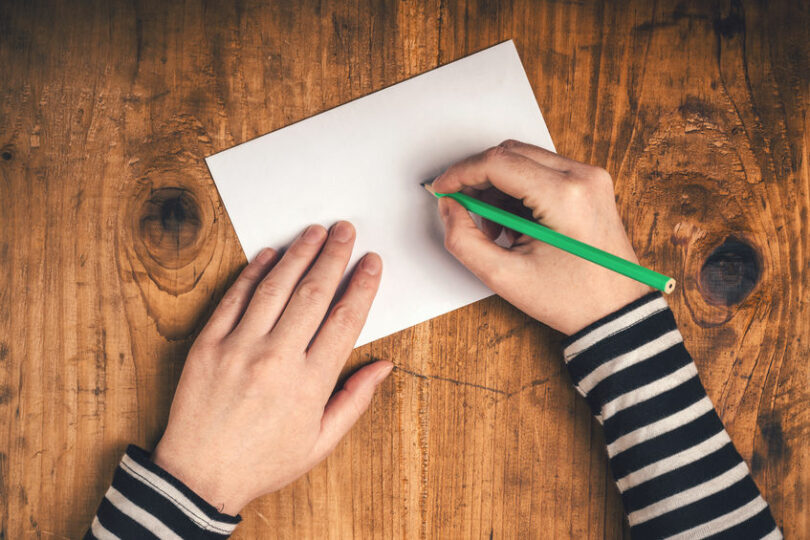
{"points": [[364, 162]]}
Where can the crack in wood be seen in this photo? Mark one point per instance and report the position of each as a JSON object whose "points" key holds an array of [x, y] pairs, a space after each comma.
{"points": [[498, 391]]}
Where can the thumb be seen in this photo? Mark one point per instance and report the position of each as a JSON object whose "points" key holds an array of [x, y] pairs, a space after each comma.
{"points": [[347, 405], [469, 244]]}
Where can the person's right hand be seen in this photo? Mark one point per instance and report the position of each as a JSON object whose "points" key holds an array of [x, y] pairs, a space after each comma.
{"points": [[556, 288]]}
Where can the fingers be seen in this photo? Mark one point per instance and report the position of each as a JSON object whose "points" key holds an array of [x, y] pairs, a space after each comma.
{"points": [[510, 204], [337, 337], [470, 246], [514, 174], [233, 303], [313, 295], [541, 155], [273, 292], [347, 405]]}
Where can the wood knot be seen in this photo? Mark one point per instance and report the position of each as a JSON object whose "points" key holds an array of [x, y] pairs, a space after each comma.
{"points": [[729, 26], [730, 272], [7, 156], [172, 251], [169, 225]]}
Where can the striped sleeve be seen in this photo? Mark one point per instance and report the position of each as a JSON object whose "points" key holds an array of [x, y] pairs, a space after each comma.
{"points": [[145, 501], [674, 464]]}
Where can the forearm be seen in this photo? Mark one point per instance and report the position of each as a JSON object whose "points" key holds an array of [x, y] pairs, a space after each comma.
{"points": [[145, 501], [674, 464]]}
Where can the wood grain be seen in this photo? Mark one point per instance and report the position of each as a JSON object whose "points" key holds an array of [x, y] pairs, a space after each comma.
{"points": [[114, 245]]}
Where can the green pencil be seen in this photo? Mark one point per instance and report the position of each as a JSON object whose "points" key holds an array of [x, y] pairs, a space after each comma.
{"points": [[565, 243]]}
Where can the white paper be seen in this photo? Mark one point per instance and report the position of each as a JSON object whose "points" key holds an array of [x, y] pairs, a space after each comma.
{"points": [[364, 162]]}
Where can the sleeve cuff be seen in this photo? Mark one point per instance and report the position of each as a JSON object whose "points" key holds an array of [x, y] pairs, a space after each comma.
{"points": [[168, 485], [610, 324], [638, 344], [145, 500]]}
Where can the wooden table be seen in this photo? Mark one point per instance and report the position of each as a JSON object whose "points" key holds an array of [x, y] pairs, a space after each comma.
{"points": [[114, 245]]}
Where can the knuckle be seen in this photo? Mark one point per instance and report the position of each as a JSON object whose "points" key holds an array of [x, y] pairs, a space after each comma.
{"points": [[257, 371], [231, 351], [358, 405], [271, 356], [254, 367], [271, 290], [600, 177], [493, 276], [510, 143], [335, 251], [252, 272], [495, 153], [364, 282], [231, 298], [587, 190], [311, 291], [452, 241], [577, 193], [300, 250], [202, 349], [346, 317], [230, 365]]}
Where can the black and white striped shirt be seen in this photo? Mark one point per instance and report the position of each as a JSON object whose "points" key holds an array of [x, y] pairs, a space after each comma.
{"points": [[675, 466], [144, 501]]}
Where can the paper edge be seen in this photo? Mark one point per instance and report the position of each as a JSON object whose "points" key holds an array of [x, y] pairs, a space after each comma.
{"points": [[412, 77]]}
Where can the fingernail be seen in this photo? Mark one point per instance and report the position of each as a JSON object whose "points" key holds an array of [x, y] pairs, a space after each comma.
{"points": [[342, 231], [313, 234], [383, 373], [264, 256], [371, 264]]}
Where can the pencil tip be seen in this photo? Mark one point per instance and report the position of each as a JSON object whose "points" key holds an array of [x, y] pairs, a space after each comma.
{"points": [[428, 185]]}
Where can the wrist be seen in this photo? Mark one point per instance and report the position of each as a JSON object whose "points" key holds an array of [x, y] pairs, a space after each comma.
{"points": [[608, 301], [201, 477]]}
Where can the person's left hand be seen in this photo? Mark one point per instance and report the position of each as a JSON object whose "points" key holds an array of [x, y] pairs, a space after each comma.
{"points": [[254, 408]]}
